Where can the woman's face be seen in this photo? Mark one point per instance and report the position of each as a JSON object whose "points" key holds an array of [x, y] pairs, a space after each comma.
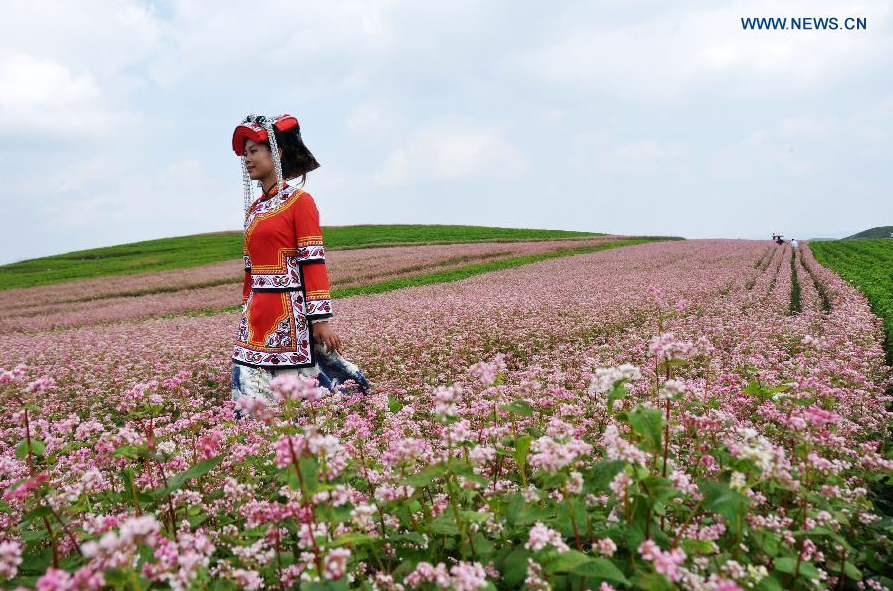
{"points": [[258, 159]]}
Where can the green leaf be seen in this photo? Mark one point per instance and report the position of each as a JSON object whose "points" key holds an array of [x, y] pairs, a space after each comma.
{"points": [[196, 471], [566, 561], [850, 570], [116, 577], [413, 537], [660, 489], [357, 539], [37, 448], [753, 387], [403, 569], [339, 585], [36, 563], [426, 476], [530, 514], [808, 570], [309, 468], [600, 568], [41, 511], [602, 473], [473, 516], [394, 405], [468, 473], [697, 546], [646, 423], [195, 520], [770, 543], [522, 447], [483, 547], [519, 407], [33, 535], [444, 524], [617, 392], [769, 583], [127, 477], [720, 499], [125, 451], [785, 564], [514, 568], [653, 581]]}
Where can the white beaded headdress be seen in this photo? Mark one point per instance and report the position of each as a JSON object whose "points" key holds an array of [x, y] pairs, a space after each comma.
{"points": [[261, 128]]}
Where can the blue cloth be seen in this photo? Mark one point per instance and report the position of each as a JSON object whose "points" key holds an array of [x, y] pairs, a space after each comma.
{"points": [[337, 370]]}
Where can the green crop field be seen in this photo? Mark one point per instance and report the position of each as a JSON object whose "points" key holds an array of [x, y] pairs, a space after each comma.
{"points": [[867, 264], [202, 249]]}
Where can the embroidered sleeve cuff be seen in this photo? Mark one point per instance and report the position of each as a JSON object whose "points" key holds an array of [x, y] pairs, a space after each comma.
{"points": [[320, 314], [311, 249], [319, 303]]}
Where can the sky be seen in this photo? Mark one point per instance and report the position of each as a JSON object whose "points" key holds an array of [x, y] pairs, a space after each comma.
{"points": [[616, 116]]}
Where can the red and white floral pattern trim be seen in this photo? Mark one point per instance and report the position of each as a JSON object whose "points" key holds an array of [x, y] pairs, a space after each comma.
{"points": [[287, 345], [288, 278], [311, 253], [315, 307]]}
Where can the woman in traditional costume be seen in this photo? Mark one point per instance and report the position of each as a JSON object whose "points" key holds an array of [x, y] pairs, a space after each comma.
{"points": [[286, 303]]}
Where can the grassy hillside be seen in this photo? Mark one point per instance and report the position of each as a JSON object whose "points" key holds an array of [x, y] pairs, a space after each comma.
{"points": [[202, 249], [878, 232]]}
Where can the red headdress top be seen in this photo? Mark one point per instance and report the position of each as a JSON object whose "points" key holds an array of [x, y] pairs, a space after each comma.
{"points": [[257, 132]]}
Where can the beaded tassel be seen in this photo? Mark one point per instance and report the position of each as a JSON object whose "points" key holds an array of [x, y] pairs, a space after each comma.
{"points": [[249, 191], [274, 148], [246, 178]]}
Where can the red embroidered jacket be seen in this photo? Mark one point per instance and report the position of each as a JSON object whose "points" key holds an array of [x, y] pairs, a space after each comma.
{"points": [[286, 283]]}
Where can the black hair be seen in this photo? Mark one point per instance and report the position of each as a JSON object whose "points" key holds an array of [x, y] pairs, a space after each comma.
{"points": [[296, 159]]}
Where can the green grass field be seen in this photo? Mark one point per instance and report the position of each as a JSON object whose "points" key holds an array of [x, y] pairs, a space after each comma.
{"points": [[202, 249], [867, 264]]}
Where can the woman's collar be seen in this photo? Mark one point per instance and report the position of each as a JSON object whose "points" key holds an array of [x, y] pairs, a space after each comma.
{"points": [[273, 191]]}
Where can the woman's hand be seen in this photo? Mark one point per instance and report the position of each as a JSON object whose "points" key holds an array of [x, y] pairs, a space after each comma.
{"points": [[323, 333]]}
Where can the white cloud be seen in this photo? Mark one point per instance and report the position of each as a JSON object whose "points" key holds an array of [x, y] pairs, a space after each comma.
{"points": [[28, 82], [100, 36], [606, 153], [663, 58], [45, 97], [180, 194], [451, 150], [370, 118]]}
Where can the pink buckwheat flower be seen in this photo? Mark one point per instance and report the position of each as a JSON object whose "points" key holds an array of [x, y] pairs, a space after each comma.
{"points": [[336, 563], [486, 371], [540, 535], [10, 559], [667, 346], [665, 563], [297, 387], [467, 576]]}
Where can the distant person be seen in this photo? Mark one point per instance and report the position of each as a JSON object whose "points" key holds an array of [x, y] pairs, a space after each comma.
{"points": [[286, 303], [778, 240], [793, 243]]}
